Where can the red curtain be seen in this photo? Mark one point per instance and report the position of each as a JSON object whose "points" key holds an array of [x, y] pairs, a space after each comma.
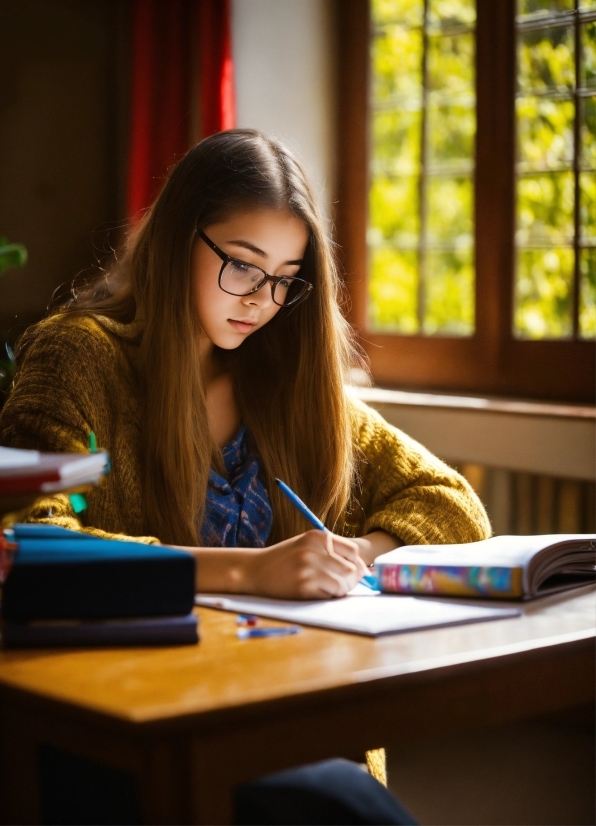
{"points": [[218, 103], [166, 94]]}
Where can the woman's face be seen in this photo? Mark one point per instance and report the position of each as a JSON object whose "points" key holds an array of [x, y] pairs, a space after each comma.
{"points": [[273, 240]]}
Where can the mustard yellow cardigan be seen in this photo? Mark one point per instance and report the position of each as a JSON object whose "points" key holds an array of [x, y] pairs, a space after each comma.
{"points": [[77, 375], [81, 374]]}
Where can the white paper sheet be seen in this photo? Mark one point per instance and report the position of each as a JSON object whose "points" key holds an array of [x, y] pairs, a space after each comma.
{"points": [[370, 613]]}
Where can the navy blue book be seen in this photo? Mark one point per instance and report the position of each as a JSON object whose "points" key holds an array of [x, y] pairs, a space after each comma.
{"points": [[94, 633], [61, 574]]}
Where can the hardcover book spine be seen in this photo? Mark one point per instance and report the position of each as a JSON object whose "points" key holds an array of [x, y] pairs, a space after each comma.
{"points": [[484, 581]]}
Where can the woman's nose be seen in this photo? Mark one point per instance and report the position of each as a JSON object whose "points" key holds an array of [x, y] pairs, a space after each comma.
{"points": [[263, 298]]}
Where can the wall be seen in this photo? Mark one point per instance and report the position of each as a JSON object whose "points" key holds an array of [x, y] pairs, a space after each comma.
{"points": [[60, 164], [284, 79], [63, 123]]}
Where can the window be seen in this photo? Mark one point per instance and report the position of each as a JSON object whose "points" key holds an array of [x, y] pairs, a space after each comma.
{"points": [[463, 274], [555, 277]]}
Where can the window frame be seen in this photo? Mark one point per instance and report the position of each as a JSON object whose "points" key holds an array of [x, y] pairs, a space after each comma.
{"points": [[491, 361]]}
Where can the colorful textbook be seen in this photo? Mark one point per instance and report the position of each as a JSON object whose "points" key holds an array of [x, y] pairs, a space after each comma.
{"points": [[503, 567]]}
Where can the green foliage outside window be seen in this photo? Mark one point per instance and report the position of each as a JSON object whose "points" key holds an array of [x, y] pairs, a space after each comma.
{"points": [[556, 153], [421, 195], [421, 198]]}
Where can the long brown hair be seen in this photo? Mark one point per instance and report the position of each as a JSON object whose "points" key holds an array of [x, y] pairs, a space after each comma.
{"points": [[288, 376]]}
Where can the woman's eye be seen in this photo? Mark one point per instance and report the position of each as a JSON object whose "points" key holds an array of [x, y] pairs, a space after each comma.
{"points": [[286, 283], [242, 269]]}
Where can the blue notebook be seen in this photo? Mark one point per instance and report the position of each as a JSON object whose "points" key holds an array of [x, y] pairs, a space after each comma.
{"points": [[62, 574]]}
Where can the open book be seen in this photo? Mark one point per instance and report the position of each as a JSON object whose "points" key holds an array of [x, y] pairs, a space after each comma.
{"points": [[502, 567]]}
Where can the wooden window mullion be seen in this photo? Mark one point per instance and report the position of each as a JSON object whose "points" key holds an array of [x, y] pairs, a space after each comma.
{"points": [[494, 190], [423, 178], [576, 180]]}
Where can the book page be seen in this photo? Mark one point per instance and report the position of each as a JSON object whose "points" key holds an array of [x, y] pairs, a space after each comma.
{"points": [[498, 551]]}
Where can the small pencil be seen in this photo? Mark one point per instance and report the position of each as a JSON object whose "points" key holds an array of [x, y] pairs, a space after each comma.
{"points": [[250, 633], [369, 581], [247, 619]]}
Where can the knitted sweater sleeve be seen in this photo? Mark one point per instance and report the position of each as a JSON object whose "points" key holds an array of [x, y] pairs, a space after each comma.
{"points": [[59, 395], [409, 493]]}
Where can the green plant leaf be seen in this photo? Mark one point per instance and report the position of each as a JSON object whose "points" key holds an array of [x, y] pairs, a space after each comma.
{"points": [[11, 255]]}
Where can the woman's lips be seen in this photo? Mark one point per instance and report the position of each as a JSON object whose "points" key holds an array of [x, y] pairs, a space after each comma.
{"points": [[242, 326]]}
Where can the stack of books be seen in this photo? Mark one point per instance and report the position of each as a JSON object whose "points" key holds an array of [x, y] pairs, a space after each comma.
{"points": [[65, 588], [27, 475]]}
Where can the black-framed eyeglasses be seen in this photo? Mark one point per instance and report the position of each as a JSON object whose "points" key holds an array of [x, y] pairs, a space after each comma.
{"points": [[236, 277]]}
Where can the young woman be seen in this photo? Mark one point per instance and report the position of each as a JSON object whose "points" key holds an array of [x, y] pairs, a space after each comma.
{"points": [[211, 358]]}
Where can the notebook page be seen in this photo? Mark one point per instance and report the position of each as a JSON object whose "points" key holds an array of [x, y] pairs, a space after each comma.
{"points": [[370, 614]]}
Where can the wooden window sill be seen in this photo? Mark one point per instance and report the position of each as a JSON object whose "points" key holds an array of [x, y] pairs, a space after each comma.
{"points": [[535, 437]]}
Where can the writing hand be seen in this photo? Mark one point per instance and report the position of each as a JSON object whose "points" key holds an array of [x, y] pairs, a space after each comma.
{"points": [[312, 565]]}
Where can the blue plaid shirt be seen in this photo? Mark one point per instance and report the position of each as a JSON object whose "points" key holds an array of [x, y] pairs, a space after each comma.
{"points": [[237, 510]]}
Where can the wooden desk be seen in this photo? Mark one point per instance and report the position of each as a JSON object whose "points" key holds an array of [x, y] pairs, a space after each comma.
{"points": [[191, 722]]}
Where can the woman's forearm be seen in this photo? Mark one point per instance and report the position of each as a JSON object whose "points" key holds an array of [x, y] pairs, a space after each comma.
{"points": [[376, 543], [312, 565], [238, 570], [223, 570]]}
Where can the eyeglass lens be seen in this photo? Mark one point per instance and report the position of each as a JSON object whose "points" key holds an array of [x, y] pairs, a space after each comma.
{"points": [[238, 278]]}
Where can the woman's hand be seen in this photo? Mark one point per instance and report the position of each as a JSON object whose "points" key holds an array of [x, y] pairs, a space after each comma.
{"points": [[312, 565]]}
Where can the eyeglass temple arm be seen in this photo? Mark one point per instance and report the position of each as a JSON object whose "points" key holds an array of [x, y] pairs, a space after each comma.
{"points": [[214, 247]]}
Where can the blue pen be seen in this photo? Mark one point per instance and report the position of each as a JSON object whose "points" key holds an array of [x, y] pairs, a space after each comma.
{"points": [[251, 633], [369, 581]]}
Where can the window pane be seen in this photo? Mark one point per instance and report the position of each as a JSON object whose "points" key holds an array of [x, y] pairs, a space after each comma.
{"points": [[546, 60], [533, 6], [396, 64], [394, 210], [449, 295], [544, 293], [451, 132], [393, 291], [545, 133], [396, 142], [451, 64], [392, 11], [450, 219], [588, 133], [452, 12], [588, 61], [587, 294], [545, 209], [587, 189]]}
